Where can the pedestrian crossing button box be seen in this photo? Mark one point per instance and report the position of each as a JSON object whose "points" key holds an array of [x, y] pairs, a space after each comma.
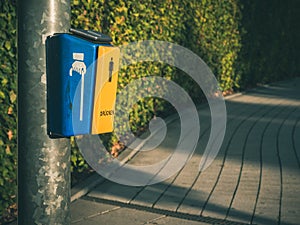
{"points": [[82, 72]]}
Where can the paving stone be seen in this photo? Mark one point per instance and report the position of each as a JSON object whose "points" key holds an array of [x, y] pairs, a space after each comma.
{"points": [[114, 192], [83, 209], [119, 216]]}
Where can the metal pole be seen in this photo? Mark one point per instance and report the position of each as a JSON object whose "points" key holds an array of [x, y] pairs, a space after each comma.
{"points": [[43, 163]]}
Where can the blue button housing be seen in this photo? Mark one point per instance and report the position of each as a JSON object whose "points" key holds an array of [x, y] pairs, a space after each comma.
{"points": [[71, 74]]}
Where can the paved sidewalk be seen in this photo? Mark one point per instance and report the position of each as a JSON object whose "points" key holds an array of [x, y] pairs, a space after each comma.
{"points": [[255, 179]]}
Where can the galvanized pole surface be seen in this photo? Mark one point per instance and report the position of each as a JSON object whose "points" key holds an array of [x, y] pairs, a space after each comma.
{"points": [[43, 163]]}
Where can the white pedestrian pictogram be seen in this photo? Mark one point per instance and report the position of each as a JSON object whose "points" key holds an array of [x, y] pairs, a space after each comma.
{"points": [[79, 67]]}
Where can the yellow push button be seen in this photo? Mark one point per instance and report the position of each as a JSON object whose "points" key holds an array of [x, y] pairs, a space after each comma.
{"points": [[105, 89]]}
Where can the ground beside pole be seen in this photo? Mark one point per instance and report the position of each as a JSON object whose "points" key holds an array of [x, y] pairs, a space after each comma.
{"points": [[43, 163]]}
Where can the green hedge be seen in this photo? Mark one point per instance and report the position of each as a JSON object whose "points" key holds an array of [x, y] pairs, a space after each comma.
{"points": [[209, 28], [243, 42], [8, 107], [218, 40]]}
